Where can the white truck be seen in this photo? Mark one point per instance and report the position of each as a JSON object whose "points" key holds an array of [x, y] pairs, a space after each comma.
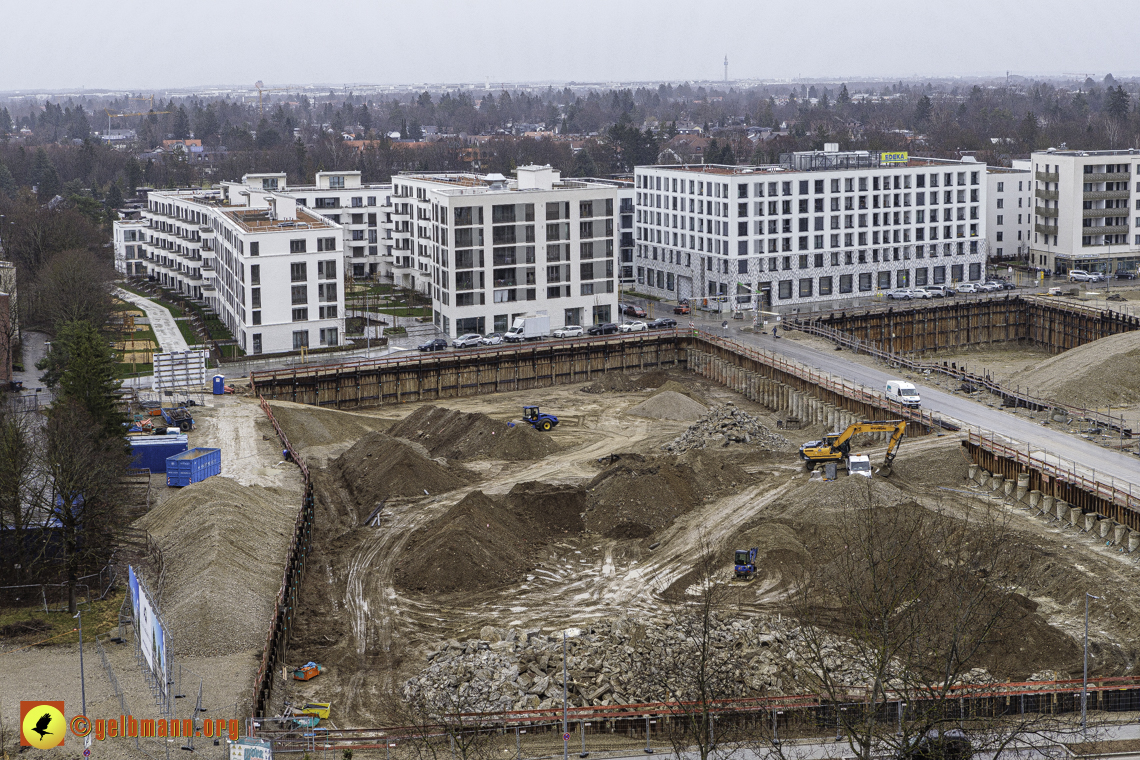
{"points": [[903, 392], [859, 464], [528, 328]]}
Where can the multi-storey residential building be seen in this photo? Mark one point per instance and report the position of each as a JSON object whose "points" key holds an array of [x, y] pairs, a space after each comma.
{"points": [[1009, 212], [269, 267], [491, 249], [1083, 204], [127, 236], [820, 226]]}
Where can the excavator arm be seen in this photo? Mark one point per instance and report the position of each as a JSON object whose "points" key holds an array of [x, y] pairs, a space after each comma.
{"points": [[835, 449]]}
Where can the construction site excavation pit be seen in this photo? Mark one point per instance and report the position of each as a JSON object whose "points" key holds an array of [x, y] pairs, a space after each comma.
{"points": [[454, 530]]}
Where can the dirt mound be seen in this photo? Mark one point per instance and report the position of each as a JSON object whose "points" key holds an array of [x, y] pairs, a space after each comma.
{"points": [[380, 467], [471, 435], [1100, 373], [637, 496], [676, 387], [477, 544], [552, 508], [222, 546], [310, 426], [669, 405]]}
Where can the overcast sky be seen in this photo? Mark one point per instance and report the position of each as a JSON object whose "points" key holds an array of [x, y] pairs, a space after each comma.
{"points": [[144, 45]]}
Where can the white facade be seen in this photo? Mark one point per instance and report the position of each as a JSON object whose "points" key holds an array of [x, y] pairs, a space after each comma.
{"points": [[1083, 211], [272, 271], [822, 226], [128, 235], [364, 212], [1009, 212], [490, 250]]}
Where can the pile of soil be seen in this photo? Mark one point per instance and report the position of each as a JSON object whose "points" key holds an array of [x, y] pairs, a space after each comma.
{"points": [[472, 435], [380, 467], [1097, 374], [222, 547], [483, 543], [622, 382], [669, 405], [637, 496], [676, 387], [308, 426]]}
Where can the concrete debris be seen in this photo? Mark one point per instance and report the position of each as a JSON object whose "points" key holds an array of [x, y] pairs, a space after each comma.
{"points": [[610, 663], [723, 426]]}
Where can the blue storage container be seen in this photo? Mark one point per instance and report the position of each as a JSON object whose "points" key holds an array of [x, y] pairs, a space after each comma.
{"points": [[150, 452], [219, 385], [193, 466]]}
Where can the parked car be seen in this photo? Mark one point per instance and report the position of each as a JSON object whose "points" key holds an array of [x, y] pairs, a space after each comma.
{"points": [[988, 287], [469, 340], [663, 323], [633, 311], [1126, 274], [681, 308], [1079, 275], [919, 293], [934, 291], [899, 294], [637, 326], [1004, 284], [606, 328], [492, 339], [968, 287], [436, 344], [569, 331]]}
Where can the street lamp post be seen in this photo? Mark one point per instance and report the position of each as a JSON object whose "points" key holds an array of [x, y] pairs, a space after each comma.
{"points": [[1085, 683], [82, 679]]}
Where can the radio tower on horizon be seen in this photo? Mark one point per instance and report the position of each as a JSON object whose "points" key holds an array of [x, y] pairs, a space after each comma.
{"points": [[726, 68]]}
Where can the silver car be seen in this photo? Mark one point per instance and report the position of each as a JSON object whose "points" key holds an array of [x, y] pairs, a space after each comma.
{"points": [[569, 331], [467, 341]]}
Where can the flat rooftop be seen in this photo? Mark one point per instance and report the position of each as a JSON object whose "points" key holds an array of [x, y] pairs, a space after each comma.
{"points": [[776, 169], [259, 220], [467, 183], [1078, 153]]}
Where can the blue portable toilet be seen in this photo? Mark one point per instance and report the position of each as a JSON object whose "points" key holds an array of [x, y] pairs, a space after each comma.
{"points": [[219, 385]]}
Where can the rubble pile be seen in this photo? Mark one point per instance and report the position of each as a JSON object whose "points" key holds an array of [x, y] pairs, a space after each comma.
{"points": [[723, 426], [610, 662]]}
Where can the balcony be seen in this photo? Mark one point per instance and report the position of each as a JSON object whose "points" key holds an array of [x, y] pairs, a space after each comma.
{"points": [[208, 285], [1048, 195], [1048, 176], [1116, 230], [1106, 177], [1100, 213], [1050, 212], [1105, 195], [1045, 229]]}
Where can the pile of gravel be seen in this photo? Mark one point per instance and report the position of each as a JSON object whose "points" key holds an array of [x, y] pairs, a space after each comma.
{"points": [[725, 425], [669, 405], [612, 663]]}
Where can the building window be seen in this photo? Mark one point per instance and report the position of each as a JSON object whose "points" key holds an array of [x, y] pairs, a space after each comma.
{"points": [[329, 336], [336, 182], [254, 248], [865, 281], [255, 274], [300, 315], [845, 283], [300, 294], [300, 339], [785, 289], [257, 343], [297, 246], [257, 317], [298, 272]]}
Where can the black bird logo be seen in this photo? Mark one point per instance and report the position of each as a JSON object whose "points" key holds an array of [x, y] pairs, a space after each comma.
{"points": [[42, 724]]}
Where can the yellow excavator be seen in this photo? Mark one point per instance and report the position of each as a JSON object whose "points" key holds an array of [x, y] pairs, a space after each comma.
{"points": [[836, 447]]}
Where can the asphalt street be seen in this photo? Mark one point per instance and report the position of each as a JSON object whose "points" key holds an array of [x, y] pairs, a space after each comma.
{"points": [[1106, 466]]}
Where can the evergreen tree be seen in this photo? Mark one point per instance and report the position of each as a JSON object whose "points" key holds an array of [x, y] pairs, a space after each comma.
{"points": [[844, 97], [5, 122], [114, 196], [7, 182], [922, 111], [712, 152], [181, 128], [81, 368], [45, 177], [1028, 130], [1119, 102], [583, 165]]}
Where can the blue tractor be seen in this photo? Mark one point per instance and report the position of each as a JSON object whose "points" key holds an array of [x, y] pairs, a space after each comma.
{"points": [[537, 419], [745, 564]]}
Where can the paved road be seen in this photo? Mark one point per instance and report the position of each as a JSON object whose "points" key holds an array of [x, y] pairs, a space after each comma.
{"points": [[161, 321], [1105, 465]]}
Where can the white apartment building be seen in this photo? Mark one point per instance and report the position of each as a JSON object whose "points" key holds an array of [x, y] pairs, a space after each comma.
{"points": [[127, 236], [491, 249], [1009, 212], [271, 271], [1082, 210], [820, 226]]}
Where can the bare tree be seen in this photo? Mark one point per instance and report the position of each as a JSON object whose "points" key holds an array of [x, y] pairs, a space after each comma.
{"points": [[692, 667], [914, 603], [20, 488], [84, 469]]}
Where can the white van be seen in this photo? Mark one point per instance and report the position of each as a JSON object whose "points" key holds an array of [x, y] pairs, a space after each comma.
{"points": [[859, 464], [903, 392]]}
